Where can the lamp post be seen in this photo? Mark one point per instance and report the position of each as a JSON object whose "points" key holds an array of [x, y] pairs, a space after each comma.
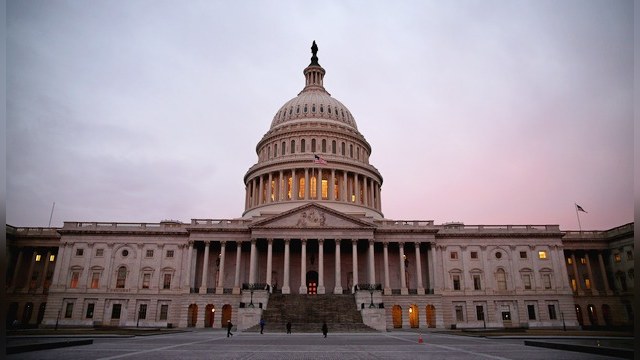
{"points": [[564, 326], [213, 313], [251, 301], [371, 293]]}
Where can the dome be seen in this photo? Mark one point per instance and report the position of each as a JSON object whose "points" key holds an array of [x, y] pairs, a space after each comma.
{"points": [[313, 102]]}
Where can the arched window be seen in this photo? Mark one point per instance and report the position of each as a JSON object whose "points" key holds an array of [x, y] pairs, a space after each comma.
{"points": [[293, 146], [313, 108], [303, 144], [283, 148], [269, 152], [501, 279], [324, 145], [333, 147], [343, 148], [121, 278], [305, 108], [275, 150], [313, 145], [351, 150]]}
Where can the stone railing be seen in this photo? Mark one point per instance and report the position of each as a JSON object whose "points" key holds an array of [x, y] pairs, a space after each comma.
{"points": [[35, 231], [220, 222], [404, 223], [68, 225]]}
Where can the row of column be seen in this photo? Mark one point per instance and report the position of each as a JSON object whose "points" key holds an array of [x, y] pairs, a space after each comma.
{"points": [[18, 268], [286, 288], [580, 286], [260, 189]]}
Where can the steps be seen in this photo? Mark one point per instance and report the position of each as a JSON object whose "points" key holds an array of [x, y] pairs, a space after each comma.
{"points": [[307, 313]]}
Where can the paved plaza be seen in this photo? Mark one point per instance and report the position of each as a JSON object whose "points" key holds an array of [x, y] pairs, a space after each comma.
{"points": [[213, 344]]}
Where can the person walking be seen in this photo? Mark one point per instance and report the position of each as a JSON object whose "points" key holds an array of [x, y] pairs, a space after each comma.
{"points": [[261, 325], [289, 327], [325, 329], [229, 326]]}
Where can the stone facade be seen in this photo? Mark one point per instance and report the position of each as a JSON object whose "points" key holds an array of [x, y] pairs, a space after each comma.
{"points": [[313, 224]]}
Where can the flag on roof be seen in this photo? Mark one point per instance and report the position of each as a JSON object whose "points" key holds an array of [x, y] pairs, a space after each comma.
{"points": [[579, 208], [318, 160]]}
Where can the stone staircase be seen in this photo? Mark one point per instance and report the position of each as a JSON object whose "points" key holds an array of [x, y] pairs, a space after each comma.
{"points": [[307, 313]]}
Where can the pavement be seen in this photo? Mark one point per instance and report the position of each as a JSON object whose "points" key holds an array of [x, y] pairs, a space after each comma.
{"points": [[213, 344]]}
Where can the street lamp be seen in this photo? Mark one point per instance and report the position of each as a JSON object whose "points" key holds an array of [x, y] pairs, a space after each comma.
{"points": [[564, 326], [251, 301], [371, 292]]}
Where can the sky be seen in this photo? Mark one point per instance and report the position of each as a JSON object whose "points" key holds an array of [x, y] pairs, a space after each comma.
{"points": [[484, 112]]}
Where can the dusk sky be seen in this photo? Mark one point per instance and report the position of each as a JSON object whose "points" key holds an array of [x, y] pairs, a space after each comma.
{"points": [[484, 112]]}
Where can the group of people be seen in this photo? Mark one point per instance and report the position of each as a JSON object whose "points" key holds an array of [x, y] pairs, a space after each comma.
{"points": [[325, 328]]}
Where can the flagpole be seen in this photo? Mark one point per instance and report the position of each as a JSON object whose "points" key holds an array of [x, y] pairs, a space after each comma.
{"points": [[578, 216], [51, 216]]}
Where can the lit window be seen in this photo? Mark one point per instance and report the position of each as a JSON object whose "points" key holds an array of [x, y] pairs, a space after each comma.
{"points": [[542, 254], [574, 284], [146, 279], [569, 261], [587, 283], [353, 198], [474, 254], [583, 261], [454, 255], [169, 253], [52, 258], [74, 279], [301, 187], [38, 257], [95, 280], [617, 258]]}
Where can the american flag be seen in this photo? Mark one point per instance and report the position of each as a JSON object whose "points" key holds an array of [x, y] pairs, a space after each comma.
{"points": [[579, 208], [318, 160]]}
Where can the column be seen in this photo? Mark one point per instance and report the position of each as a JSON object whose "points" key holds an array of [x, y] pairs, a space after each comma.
{"points": [[269, 263], [286, 289], [236, 280], [261, 186], [205, 269], [246, 197], [603, 271], [575, 273], [594, 291], [372, 265], [19, 263], [419, 270], [403, 278], [364, 191], [345, 193], [303, 267], [46, 267], [223, 251], [254, 198], [32, 264], [338, 287], [252, 262], [430, 262], [354, 261], [321, 289], [319, 184], [356, 185], [332, 185], [187, 278], [387, 285], [307, 186], [269, 189]]}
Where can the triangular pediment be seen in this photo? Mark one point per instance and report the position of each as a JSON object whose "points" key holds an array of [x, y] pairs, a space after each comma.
{"points": [[312, 216]]}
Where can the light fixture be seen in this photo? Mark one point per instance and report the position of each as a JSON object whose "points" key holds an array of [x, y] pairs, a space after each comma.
{"points": [[410, 310]]}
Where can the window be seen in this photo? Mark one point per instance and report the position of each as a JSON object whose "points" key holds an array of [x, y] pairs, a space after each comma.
{"points": [[293, 147], [583, 261], [125, 253], [283, 148], [90, 307], [313, 145], [275, 150], [95, 280], [99, 252], [476, 282], [343, 148], [552, 312], [38, 257], [542, 254], [526, 279], [616, 258], [631, 274], [459, 313], [115, 311], [142, 313], [587, 282], [333, 147], [574, 284], [474, 254], [546, 281], [498, 255], [303, 145], [167, 281], [480, 312], [79, 252], [121, 277], [351, 150], [531, 309], [454, 255], [74, 279], [523, 254], [169, 253], [149, 253], [52, 258], [324, 145], [146, 279], [164, 309], [456, 282], [501, 279], [68, 311]]}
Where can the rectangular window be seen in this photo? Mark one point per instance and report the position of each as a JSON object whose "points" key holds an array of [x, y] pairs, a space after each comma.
{"points": [[169, 253], [474, 254], [459, 313], [480, 312], [68, 310], [167, 281], [526, 279], [542, 254], [79, 252], [95, 280], [476, 282], [454, 255], [38, 257], [574, 284], [587, 283], [90, 308], [149, 253], [616, 258], [546, 280], [531, 309], [99, 252], [583, 261], [523, 254], [552, 312], [142, 313], [74, 279], [456, 282], [115, 311], [164, 309], [52, 257], [146, 279]]}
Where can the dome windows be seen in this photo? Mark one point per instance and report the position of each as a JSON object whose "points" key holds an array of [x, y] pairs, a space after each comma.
{"points": [[329, 109], [293, 146], [313, 108], [321, 109], [283, 147], [298, 109], [305, 108], [303, 145], [333, 147]]}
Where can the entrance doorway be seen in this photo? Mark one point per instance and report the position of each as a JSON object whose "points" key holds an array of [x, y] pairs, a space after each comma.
{"points": [[414, 316], [396, 313], [192, 315], [209, 311], [226, 315], [431, 316], [312, 282]]}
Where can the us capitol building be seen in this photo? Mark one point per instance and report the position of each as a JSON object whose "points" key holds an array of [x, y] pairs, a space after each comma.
{"points": [[313, 225]]}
